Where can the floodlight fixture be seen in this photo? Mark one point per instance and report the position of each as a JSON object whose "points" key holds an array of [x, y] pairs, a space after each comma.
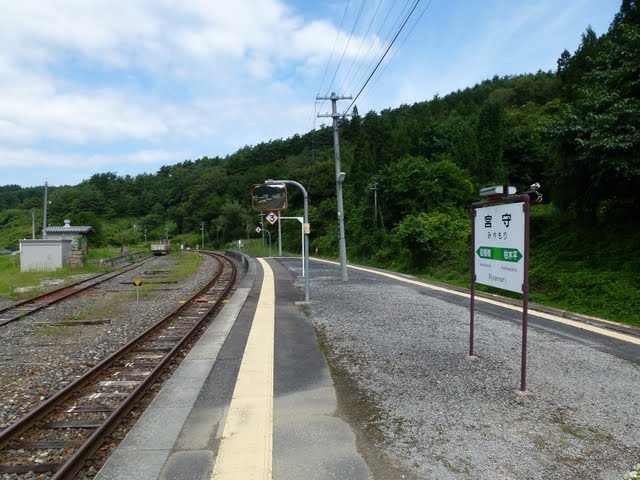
{"points": [[497, 191], [341, 177]]}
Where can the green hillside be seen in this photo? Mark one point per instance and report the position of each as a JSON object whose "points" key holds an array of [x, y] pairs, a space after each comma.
{"points": [[576, 131]]}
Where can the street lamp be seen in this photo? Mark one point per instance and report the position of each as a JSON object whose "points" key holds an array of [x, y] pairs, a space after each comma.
{"points": [[202, 231]]}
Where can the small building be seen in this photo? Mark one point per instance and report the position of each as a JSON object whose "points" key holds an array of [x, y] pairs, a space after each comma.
{"points": [[77, 234], [63, 245], [44, 255]]}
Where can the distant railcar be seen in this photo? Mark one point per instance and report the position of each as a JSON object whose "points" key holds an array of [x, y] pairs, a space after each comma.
{"points": [[160, 248]]}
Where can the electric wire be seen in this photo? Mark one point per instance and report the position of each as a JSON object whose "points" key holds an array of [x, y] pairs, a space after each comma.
{"points": [[395, 51], [364, 38], [415, 5], [386, 41], [346, 47], [335, 42]]}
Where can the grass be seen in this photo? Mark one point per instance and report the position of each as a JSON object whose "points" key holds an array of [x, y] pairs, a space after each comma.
{"points": [[11, 277], [50, 330], [588, 269], [186, 265], [591, 269]]}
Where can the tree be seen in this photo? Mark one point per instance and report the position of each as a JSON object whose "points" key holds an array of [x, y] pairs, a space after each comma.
{"points": [[232, 221], [491, 130], [598, 134]]}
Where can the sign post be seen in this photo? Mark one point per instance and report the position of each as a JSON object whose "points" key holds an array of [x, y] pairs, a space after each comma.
{"points": [[307, 230], [137, 284], [301, 220], [500, 256]]}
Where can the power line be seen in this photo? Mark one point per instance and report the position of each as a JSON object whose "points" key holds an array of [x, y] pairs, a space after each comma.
{"points": [[364, 38], [386, 38], [393, 55], [355, 23], [326, 68], [385, 54]]}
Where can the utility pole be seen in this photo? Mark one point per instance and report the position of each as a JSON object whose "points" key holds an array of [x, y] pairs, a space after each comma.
{"points": [[202, 231], [44, 224], [375, 204], [33, 224], [339, 177]]}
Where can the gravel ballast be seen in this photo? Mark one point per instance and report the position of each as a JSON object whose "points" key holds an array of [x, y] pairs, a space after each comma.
{"points": [[38, 357], [440, 415]]}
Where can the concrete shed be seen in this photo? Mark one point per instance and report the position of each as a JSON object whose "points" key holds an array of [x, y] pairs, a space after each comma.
{"points": [[44, 255], [78, 234]]}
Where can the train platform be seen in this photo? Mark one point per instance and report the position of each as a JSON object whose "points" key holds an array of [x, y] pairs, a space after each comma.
{"points": [[253, 399]]}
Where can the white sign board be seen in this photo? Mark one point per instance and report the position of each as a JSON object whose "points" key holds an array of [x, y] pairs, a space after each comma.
{"points": [[272, 218], [499, 246]]}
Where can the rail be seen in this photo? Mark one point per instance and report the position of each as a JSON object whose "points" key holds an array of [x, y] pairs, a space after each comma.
{"points": [[93, 405]]}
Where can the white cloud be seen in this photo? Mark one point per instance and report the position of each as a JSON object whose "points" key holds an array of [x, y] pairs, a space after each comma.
{"points": [[34, 158]]}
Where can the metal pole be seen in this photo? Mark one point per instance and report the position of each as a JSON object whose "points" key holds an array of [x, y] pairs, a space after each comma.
{"points": [[33, 224], [306, 228], [262, 226], [44, 224], [302, 238], [525, 291], [301, 220], [269, 233], [473, 280], [202, 231], [375, 204], [279, 236]]}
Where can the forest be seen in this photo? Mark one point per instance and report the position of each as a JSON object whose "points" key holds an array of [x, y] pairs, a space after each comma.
{"points": [[411, 174]]}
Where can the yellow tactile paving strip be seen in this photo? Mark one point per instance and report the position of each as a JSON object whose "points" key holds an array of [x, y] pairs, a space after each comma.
{"points": [[246, 448], [537, 313]]}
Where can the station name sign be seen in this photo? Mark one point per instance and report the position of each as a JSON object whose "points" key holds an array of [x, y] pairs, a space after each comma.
{"points": [[499, 246]]}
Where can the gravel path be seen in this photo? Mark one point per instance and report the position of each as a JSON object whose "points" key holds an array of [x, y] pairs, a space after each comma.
{"points": [[441, 416], [37, 357]]}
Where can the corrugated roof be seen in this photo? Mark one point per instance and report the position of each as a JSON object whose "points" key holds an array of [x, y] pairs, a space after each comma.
{"points": [[76, 229]]}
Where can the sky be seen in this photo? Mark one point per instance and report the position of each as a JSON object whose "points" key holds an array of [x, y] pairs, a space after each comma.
{"points": [[87, 87]]}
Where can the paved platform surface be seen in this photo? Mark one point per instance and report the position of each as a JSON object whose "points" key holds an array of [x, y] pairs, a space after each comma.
{"points": [[258, 374], [190, 428]]}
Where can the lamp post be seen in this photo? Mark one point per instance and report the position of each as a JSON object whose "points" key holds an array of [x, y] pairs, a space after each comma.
{"points": [[202, 231], [307, 230]]}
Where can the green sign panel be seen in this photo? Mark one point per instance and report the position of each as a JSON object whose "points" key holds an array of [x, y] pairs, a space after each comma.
{"points": [[503, 254]]}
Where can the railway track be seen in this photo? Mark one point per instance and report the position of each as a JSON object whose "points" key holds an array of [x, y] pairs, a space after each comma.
{"points": [[26, 307], [58, 436]]}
